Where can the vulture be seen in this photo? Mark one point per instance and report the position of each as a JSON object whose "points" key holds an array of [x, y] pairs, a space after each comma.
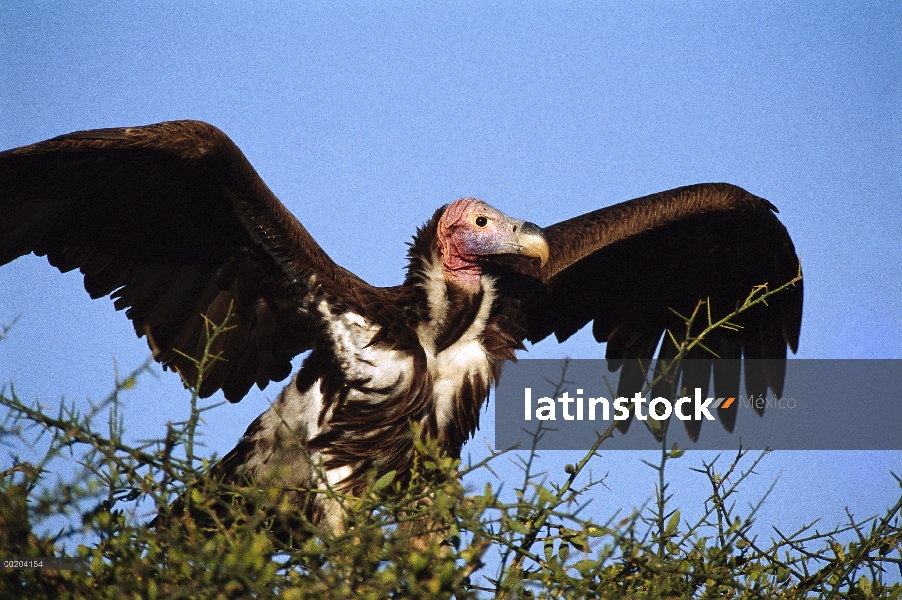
{"points": [[174, 224]]}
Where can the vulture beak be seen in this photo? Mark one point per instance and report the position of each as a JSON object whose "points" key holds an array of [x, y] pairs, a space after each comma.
{"points": [[531, 242]]}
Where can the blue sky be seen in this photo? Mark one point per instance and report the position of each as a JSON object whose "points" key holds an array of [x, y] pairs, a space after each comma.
{"points": [[364, 120]]}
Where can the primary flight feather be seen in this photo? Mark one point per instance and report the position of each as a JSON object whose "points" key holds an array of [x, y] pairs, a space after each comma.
{"points": [[173, 223]]}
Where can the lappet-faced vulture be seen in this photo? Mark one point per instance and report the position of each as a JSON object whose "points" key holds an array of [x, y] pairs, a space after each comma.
{"points": [[174, 224]]}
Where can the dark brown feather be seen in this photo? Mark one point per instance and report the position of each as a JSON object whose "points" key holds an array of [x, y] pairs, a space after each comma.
{"points": [[173, 221], [625, 266]]}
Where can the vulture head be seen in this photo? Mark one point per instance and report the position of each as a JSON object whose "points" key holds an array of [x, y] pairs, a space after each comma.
{"points": [[470, 230]]}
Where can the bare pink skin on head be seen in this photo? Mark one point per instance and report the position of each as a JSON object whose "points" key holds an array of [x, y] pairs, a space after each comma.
{"points": [[457, 264], [470, 230]]}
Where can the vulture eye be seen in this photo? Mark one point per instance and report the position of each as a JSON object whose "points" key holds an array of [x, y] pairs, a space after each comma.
{"points": [[481, 221]]}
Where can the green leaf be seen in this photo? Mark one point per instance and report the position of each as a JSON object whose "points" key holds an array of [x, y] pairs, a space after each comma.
{"points": [[675, 452], [580, 543], [563, 552], [546, 496], [517, 526], [384, 481], [673, 523]]}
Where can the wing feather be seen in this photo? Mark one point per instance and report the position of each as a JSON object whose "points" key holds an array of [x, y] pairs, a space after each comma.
{"points": [[173, 223], [626, 266]]}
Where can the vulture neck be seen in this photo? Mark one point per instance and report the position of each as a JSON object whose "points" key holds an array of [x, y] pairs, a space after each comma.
{"points": [[447, 309]]}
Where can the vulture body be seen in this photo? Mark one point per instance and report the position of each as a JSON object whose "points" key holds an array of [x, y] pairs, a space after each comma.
{"points": [[174, 224]]}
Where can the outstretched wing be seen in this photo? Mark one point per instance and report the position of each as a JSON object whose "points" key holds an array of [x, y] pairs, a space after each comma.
{"points": [[173, 222], [625, 266]]}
